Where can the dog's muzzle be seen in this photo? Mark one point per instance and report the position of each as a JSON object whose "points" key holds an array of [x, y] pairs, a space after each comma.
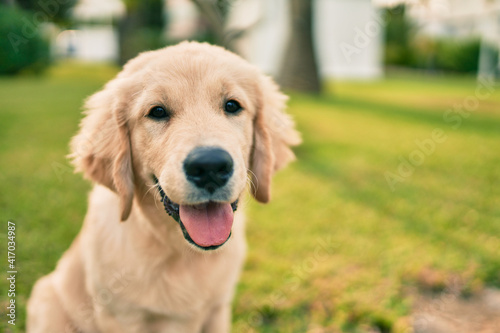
{"points": [[202, 220]]}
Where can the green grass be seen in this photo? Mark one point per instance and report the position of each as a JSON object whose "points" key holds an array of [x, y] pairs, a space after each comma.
{"points": [[336, 250]]}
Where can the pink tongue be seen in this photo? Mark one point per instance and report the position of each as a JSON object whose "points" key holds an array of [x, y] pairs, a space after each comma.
{"points": [[207, 224]]}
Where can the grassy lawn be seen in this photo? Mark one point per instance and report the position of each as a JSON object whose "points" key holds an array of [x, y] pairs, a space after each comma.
{"points": [[339, 249]]}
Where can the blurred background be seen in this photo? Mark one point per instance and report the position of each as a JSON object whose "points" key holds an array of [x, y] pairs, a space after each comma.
{"points": [[389, 221], [336, 38]]}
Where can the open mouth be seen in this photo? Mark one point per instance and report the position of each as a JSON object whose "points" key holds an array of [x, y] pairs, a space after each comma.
{"points": [[206, 225]]}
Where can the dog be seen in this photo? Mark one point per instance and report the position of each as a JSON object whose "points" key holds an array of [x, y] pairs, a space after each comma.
{"points": [[172, 144]]}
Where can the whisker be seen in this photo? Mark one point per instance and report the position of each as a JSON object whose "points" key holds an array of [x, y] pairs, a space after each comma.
{"points": [[156, 194], [250, 179]]}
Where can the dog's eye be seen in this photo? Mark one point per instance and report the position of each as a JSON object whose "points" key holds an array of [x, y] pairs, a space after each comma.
{"points": [[232, 106], [158, 113]]}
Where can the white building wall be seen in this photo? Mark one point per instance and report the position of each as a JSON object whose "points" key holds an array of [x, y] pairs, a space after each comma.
{"points": [[349, 35], [97, 43], [354, 25], [96, 39], [268, 31]]}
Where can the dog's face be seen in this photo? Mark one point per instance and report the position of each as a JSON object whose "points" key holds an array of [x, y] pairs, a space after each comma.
{"points": [[196, 121], [192, 128]]}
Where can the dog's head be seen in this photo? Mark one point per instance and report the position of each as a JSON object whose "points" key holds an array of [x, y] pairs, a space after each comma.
{"points": [[198, 122]]}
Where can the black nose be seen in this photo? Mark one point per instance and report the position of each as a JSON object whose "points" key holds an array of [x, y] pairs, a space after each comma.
{"points": [[208, 167]]}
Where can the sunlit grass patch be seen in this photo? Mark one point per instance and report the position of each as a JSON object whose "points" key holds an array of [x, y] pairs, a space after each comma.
{"points": [[337, 250]]}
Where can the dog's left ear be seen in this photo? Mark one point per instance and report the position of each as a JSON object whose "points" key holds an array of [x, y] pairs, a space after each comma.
{"points": [[274, 134], [101, 150]]}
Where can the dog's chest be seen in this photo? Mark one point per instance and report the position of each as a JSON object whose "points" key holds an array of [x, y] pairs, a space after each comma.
{"points": [[180, 289]]}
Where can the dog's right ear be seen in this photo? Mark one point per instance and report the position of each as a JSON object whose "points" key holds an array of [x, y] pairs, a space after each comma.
{"points": [[101, 149]]}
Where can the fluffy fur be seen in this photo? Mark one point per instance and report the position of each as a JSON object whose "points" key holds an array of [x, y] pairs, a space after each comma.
{"points": [[141, 275]]}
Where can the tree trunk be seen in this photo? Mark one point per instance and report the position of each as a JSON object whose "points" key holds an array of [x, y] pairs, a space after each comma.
{"points": [[299, 69], [127, 25]]}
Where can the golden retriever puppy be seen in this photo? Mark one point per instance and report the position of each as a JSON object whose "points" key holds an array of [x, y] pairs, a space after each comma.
{"points": [[171, 144]]}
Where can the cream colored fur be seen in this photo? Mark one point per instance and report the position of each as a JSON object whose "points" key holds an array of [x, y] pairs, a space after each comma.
{"points": [[130, 269]]}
